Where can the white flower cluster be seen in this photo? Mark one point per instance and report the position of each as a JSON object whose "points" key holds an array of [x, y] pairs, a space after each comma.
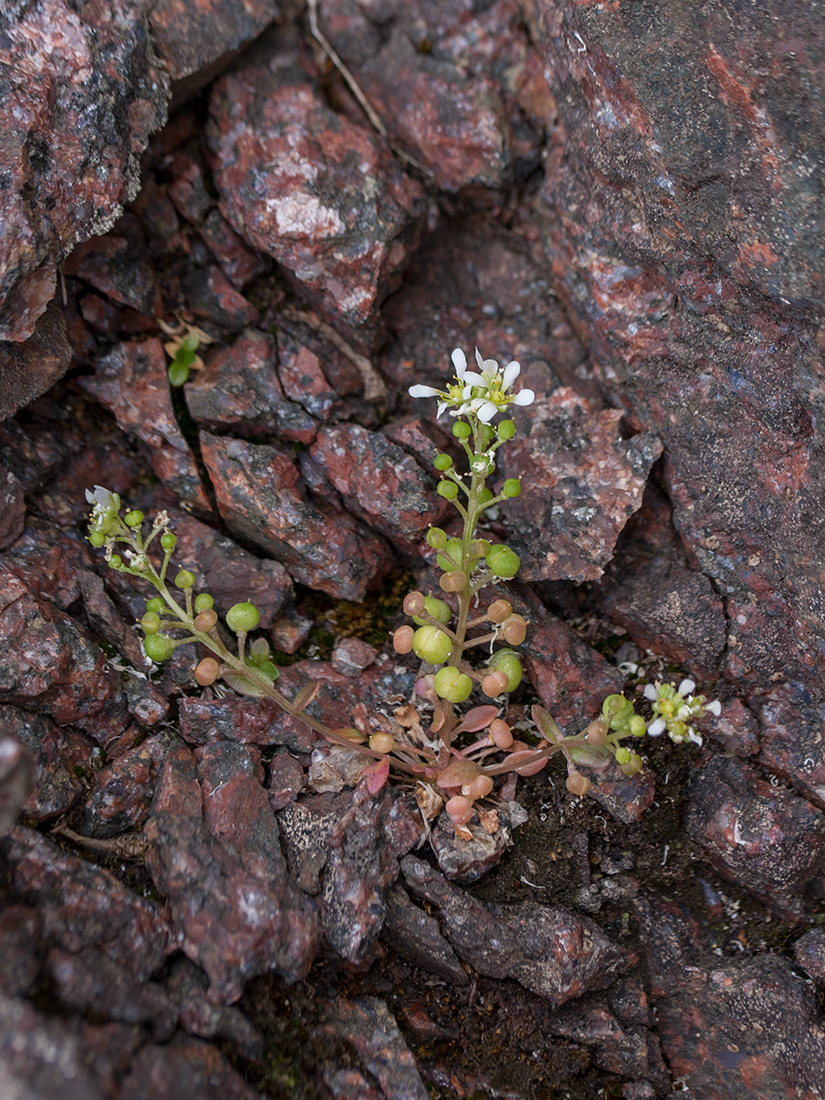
{"points": [[675, 708], [481, 394]]}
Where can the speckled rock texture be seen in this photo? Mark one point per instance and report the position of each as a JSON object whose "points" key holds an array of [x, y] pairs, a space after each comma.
{"points": [[319, 194]]}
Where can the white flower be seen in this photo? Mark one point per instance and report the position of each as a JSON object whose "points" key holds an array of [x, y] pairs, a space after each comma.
{"points": [[105, 507], [481, 394], [675, 708]]}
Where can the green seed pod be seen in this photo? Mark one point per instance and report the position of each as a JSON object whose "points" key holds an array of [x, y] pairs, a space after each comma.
{"points": [[168, 541], [508, 662], [437, 538], [431, 645], [461, 430], [158, 647], [511, 487], [115, 561], [633, 765], [150, 623], [618, 711], [447, 489], [623, 755], [178, 374], [442, 462], [185, 579], [155, 604], [97, 538], [134, 518], [506, 429], [455, 549], [204, 602], [243, 617], [485, 496], [637, 726], [502, 561], [487, 436], [437, 608], [452, 685], [477, 548]]}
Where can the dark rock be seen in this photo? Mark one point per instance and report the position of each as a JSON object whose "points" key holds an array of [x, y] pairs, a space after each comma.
{"points": [[416, 936], [248, 721], [131, 382], [351, 656], [185, 1069], [50, 562], [738, 730], [368, 1027], [19, 935], [82, 906], [290, 632], [92, 984], [122, 792], [809, 952], [227, 572], [30, 368], [379, 482], [158, 217], [60, 756], [303, 378], [187, 987], [209, 294], [547, 949], [581, 482], [117, 265], [12, 508], [51, 666], [286, 780], [239, 263], [107, 624], [625, 798], [445, 80], [215, 855], [792, 741], [320, 195], [239, 390], [260, 497], [467, 858], [16, 780], [188, 190], [85, 96], [196, 41], [766, 839]]}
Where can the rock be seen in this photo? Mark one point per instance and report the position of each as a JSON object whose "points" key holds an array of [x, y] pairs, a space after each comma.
{"points": [[581, 482], [303, 378], [227, 572], [416, 936], [12, 508], [368, 1028], [791, 739], [122, 792], [209, 294], [30, 368], [185, 1069], [117, 265], [85, 96], [768, 840], [51, 666], [286, 780], [196, 41], [379, 482], [809, 952], [260, 497], [131, 382], [466, 859], [700, 297], [82, 906], [16, 780], [320, 195], [239, 390], [351, 656], [248, 721], [59, 758], [19, 938], [215, 856], [239, 263], [445, 80], [187, 987], [547, 949]]}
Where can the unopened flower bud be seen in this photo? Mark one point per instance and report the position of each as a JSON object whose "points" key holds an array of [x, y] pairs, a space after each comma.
{"points": [[499, 610], [493, 684], [501, 734], [207, 671], [402, 639], [578, 784]]}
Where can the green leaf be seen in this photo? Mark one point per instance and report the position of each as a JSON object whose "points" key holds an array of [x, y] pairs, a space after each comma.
{"points": [[591, 756], [546, 725]]}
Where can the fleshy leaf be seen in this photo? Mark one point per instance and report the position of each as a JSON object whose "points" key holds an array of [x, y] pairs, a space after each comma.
{"points": [[479, 718], [591, 756], [377, 774], [306, 695], [546, 725]]}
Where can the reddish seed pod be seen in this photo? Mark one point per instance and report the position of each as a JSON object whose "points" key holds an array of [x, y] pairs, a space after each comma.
{"points": [[483, 785], [501, 734], [413, 603], [402, 639], [460, 809], [597, 732], [514, 630], [494, 683], [578, 784], [453, 582], [499, 610], [207, 671], [205, 620]]}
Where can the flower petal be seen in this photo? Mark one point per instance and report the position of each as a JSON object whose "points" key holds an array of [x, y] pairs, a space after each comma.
{"points": [[687, 687], [651, 692], [657, 728], [486, 412], [459, 362], [423, 391], [511, 373], [524, 397], [479, 358], [472, 379], [714, 707]]}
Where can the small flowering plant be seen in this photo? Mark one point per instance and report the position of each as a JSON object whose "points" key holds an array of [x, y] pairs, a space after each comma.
{"points": [[455, 752]]}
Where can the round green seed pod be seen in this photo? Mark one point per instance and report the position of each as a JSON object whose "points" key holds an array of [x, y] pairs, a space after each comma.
{"points": [[508, 662], [204, 602], [623, 755], [506, 429], [485, 496], [97, 539], [185, 579], [455, 549], [442, 461], [431, 645], [437, 608], [447, 489], [511, 487], [155, 604], [158, 647], [637, 726], [452, 685], [115, 561], [168, 541], [134, 518], [462, 430], [437, 538], [242, 617], [502, 562], [150, 623], [178, 374]]}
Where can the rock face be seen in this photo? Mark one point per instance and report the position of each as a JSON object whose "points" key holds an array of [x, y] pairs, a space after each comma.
{"points": [[320, 195], [684, 221], [81, 94]]}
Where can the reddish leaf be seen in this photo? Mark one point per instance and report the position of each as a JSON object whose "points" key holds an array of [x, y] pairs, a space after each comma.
{"points": [[377, 774], [547, 725], [306, 695], [479, 718]]}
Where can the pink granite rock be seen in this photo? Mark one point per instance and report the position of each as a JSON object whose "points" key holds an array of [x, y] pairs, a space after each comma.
{"points": [[30, 368], [307, 187]]}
